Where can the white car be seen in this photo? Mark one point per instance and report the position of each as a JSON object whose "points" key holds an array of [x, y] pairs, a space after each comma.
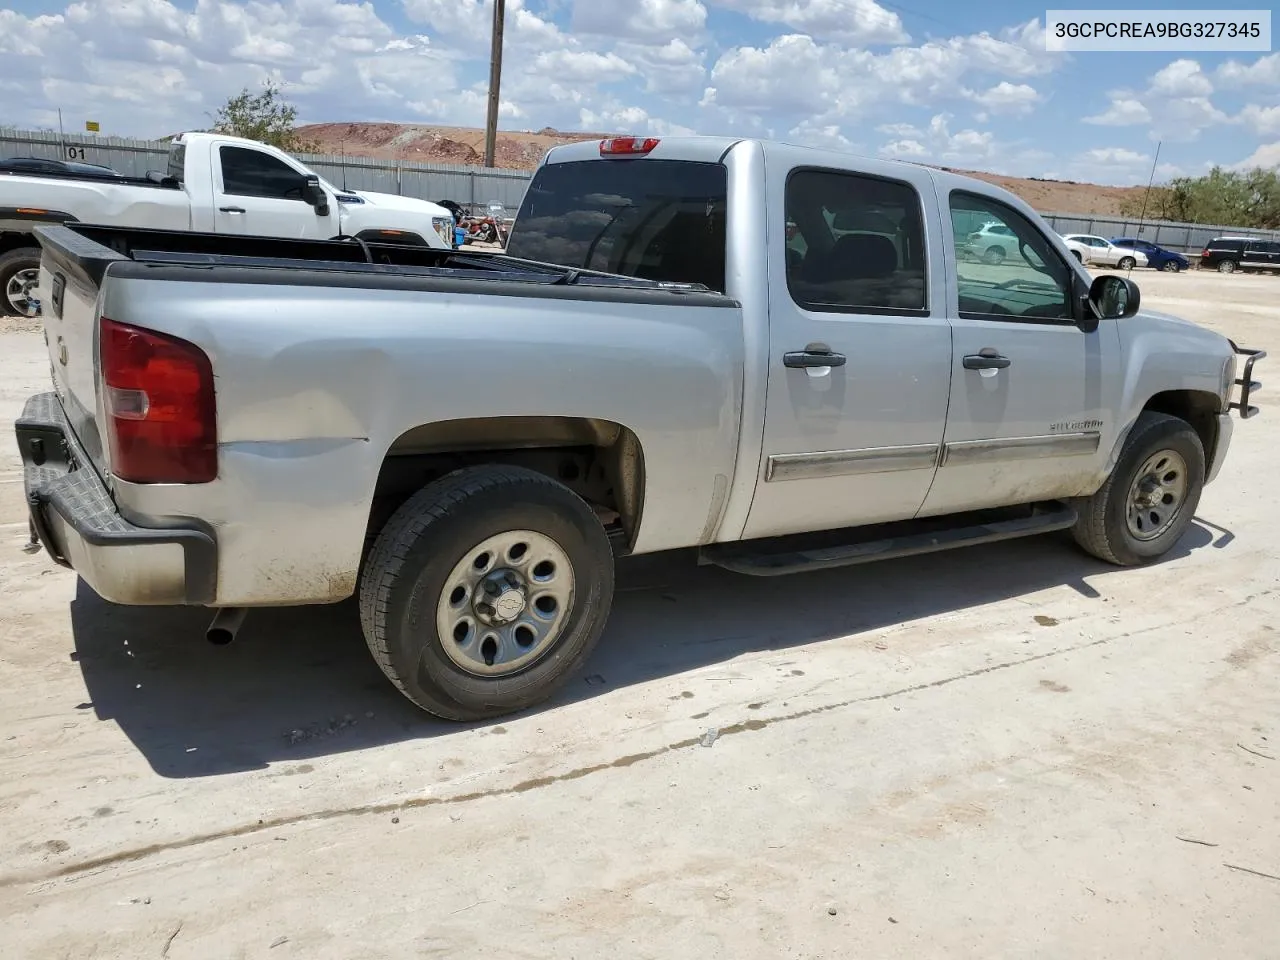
{"points": [[1091, 249]]}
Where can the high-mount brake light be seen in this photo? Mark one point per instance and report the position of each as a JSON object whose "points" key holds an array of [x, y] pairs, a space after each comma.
{"points": [[628, 146], [161, 415]]}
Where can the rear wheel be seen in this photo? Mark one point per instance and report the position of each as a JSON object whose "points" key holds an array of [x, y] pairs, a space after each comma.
{"points": [[1149, 500], [1227, 266], [485, 591], [1172, 266], [19, 271]]}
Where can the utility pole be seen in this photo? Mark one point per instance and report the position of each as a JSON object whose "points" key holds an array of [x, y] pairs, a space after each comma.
{"points": [[495, 82]]}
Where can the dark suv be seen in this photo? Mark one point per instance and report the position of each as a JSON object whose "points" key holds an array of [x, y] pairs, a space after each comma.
{"points": [[1229, 254]]}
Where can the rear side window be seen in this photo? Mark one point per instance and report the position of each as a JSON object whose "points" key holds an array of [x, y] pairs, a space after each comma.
{"points": [[252, 173], [177, 166], [653, 219], [857, 246]]}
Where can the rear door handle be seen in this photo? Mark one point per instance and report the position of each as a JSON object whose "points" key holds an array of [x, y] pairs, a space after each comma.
{"points": [[986, 359], [231, 209], [802, 359]]}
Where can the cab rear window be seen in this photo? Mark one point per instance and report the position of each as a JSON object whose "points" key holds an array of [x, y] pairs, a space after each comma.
{"points": [[652, 219]]}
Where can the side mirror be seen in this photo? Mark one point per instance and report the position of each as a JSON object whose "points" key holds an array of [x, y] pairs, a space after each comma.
{"points": [[1113, 297], [314, 194]]}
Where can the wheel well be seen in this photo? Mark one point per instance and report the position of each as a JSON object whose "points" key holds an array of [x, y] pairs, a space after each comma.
{"points": [[599, 460], [1198, 408], [13, 240]]}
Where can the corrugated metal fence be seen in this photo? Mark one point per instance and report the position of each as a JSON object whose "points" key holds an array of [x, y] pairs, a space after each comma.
{"points": [[465, 184], [427, 181]]}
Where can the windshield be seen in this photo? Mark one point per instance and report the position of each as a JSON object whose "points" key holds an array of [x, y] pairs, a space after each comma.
{"points": [[653, 219]]}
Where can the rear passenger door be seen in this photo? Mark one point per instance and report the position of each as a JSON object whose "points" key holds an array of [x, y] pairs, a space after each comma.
{"points": [[1030, 392], [1262, 255], [859, 350]]}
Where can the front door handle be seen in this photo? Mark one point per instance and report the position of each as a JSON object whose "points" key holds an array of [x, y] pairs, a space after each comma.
{"points": [[802, 359], [986, 359], [231, 209]]}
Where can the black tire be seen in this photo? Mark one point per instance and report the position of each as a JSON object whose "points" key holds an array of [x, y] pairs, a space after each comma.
{"points": [[11, 263], [994, 255], [1078, 255], [1103, 526], [414, 554], [1127, 263], [1172, 266], [1227, 266]]}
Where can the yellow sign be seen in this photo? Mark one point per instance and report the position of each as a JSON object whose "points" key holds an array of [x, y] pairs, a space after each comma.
{"points": [[91, 126]]}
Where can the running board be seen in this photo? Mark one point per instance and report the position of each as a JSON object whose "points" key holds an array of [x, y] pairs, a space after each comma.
{"points": [[754, 558]]}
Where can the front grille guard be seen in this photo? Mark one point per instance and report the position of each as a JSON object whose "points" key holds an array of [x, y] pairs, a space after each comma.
{"points": [[1248, 386]]}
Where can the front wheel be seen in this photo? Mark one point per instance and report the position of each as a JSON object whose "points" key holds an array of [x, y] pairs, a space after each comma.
{"points": [[994, 255], [1149, 500], [19, 271], [485, 591], [1127, 263]]}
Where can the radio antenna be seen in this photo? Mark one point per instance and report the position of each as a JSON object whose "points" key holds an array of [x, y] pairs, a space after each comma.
{"points": [[1142, 217]]}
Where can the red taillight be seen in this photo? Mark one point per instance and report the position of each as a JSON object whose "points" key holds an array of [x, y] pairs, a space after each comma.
{"points": [[622, 146], [161, 418]]}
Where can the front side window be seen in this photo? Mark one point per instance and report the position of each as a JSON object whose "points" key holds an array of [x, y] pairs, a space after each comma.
{"points": [[1024, 279], [252, 173], [857, 245]]}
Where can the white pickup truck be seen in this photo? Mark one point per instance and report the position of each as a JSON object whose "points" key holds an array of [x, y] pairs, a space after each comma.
{"points": [[213, 183], [766, 354]]}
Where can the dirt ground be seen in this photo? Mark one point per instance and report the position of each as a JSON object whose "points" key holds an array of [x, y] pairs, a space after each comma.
{"points": [[1010, 751]]}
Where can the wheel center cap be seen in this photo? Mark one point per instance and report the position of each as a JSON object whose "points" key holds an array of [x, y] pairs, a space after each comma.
{"points": [[508, 606]]}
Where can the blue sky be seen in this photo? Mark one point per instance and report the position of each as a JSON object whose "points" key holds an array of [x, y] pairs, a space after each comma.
{"points": [[961, 85]]}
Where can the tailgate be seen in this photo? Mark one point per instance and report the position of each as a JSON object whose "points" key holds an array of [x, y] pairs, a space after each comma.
{"points": [[71, 269]]}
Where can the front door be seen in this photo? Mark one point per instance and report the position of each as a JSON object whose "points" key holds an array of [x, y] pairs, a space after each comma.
{"points": [[859, 351], [261, 195], [1031, 394]]}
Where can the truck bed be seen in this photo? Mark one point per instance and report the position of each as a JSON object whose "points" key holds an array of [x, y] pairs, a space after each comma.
{"points": [[89, 250], [159, 183]]}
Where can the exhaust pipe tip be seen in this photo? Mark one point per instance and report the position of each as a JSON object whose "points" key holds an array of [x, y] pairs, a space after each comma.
{"points": [[226, 624]]}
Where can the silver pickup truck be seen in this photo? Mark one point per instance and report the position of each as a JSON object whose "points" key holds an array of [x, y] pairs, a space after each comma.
{"points": [[774, 356]]}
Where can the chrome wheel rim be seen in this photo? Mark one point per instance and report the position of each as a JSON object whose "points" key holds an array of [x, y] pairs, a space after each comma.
{"points": [[1226, 266], [18, 290], [1157, 494], [505, 603]]}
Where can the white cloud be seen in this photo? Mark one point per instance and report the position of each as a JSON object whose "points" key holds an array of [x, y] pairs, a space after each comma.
{"points": [[1263, 72], [940, 145], [673, 68], [830, 83], [581, 66], [1016, 99], [1175, 105], [826, 137], [1114, 156], [1182, 78], [1123, 112], [1265, 121], [1267, 155], [649, 20], [862, 22]]}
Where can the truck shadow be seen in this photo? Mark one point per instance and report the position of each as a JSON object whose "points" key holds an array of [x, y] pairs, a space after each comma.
{"points": [[299, 683]]}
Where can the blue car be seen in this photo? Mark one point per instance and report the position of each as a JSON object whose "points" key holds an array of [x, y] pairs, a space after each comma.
{"points": [[1157, 257]]}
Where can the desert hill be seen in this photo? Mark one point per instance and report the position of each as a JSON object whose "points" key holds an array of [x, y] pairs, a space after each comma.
{"points": [[521, 150]]}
